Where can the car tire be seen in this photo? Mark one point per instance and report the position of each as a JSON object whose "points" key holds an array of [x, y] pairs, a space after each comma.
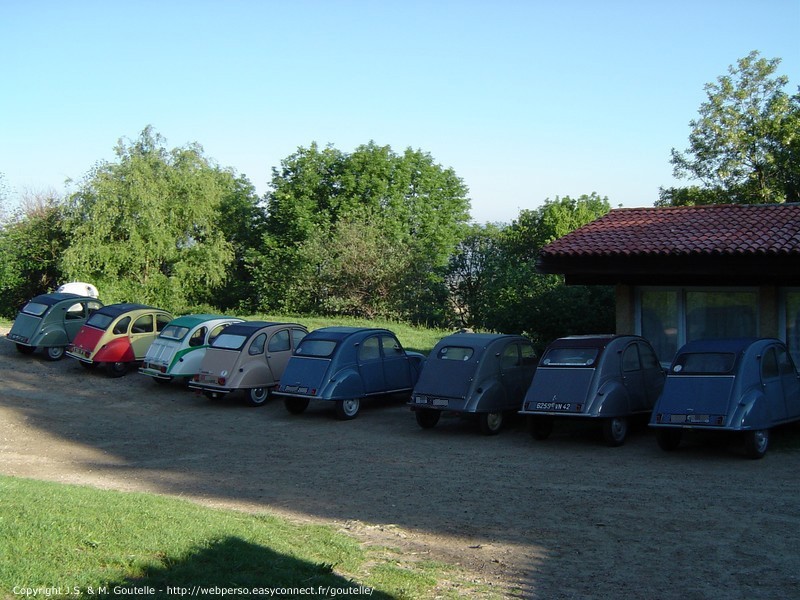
{"points": [[669, 439], [615, 430], [540, 428], [347, 409], [117, 369], [427, 418], [23, 349], [756, 443], [54, 352], [258, 396], [296, 406], [491, 423]]}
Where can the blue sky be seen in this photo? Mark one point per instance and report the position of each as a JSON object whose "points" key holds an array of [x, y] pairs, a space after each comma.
{"points": [[525, 100]]}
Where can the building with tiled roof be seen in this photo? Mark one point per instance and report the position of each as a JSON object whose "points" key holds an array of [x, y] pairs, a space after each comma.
{"points": [[687, 272]]}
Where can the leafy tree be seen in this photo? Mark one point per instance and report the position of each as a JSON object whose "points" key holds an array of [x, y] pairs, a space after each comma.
{"points": [[411, 210], [32, 242], [515, 298], [744, 146], [146, 228]]}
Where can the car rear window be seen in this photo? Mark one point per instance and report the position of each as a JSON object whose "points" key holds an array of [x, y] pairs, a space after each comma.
{"points": [[316, 348], [704, 363], [570, 357], [174, 332], [455, 353], [229, 341], [100, 321], [35, 308]]}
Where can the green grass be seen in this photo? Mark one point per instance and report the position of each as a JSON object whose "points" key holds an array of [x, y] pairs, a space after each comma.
{"points": [[79, 538]]}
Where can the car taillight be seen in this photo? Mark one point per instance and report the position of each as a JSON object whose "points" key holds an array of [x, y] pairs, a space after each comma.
{"points": [[221, 381]]}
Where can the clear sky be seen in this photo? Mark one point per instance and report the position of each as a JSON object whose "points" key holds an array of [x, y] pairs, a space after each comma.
{"points": [[525, 99]]}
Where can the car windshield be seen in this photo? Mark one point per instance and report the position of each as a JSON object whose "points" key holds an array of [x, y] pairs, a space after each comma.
{"points": [[174, 332], [704, 363], [570, 357], [229, 341], [316, 348], [455, 353], [36, 309], [100, 321]]}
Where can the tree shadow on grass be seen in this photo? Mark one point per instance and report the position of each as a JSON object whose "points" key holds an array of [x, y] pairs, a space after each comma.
{"points": [[234, 568]]}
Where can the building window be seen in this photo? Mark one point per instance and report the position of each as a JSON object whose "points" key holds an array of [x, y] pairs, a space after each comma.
{"points": [[791, 324], [670, 317]]}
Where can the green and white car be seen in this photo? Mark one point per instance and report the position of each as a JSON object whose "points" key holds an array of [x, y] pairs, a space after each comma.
{"points": [[178, 351]]}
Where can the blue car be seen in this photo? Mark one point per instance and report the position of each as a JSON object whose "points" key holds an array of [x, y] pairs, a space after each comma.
{"points": [[605, 378], [344, 365], [480, 374], [736, 385]]}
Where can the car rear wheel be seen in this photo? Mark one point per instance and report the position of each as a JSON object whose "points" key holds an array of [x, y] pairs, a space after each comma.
{"points": [[258, 396], [23, 349], [295, 405], [117, 369], [669, 439], [615, 430], [756, 443], [540, 427], [347, 409], [490, 423], [427, 418], [54, 352]]}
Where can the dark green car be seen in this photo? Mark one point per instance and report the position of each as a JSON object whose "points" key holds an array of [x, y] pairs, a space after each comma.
{"points": [[50, 321]]}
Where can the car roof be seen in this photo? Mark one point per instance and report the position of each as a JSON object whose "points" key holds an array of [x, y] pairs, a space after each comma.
{"points": [[721, 345], [588, 341], [193, 320], [57, 297], [116, 310], [476, 340], [250, 327], [341, 333]]}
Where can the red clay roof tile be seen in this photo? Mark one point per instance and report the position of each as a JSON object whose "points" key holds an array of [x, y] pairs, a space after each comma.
{"points": [[686, 231]]}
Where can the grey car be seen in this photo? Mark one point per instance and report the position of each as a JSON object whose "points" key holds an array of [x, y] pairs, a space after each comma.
{"points": [[479, 374], [608, 378]]}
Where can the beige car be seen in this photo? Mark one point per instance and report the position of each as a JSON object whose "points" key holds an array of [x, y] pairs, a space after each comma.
{"points": [[249, 356]]}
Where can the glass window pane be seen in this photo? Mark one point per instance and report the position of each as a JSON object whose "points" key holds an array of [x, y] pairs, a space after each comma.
{"points": [[793, 325], [660, 322], [720, 315]]}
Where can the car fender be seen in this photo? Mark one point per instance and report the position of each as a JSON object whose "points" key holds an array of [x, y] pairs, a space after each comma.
{"points": [[187, 361], [49, 337], [417, 362], [117, 350], [253, 374], [751, 412], [344, 384], [489, 396], [611, 400]]}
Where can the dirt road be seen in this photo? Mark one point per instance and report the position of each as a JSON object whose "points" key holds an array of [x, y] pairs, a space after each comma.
{"points": [[565, 518]]}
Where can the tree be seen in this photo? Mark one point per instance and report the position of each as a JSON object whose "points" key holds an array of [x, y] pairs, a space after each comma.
{"points": [[32, 242], [514, 298], [744, 146], [146, 228], [412, 212]]}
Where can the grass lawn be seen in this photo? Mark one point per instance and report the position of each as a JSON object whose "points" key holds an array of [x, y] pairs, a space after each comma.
{"points": [[66, 541]]}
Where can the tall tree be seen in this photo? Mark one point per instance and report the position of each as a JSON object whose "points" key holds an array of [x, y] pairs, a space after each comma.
{"points": [[412, 209], [145, 228], [744, 146], [526, 301], [32, 242]]}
